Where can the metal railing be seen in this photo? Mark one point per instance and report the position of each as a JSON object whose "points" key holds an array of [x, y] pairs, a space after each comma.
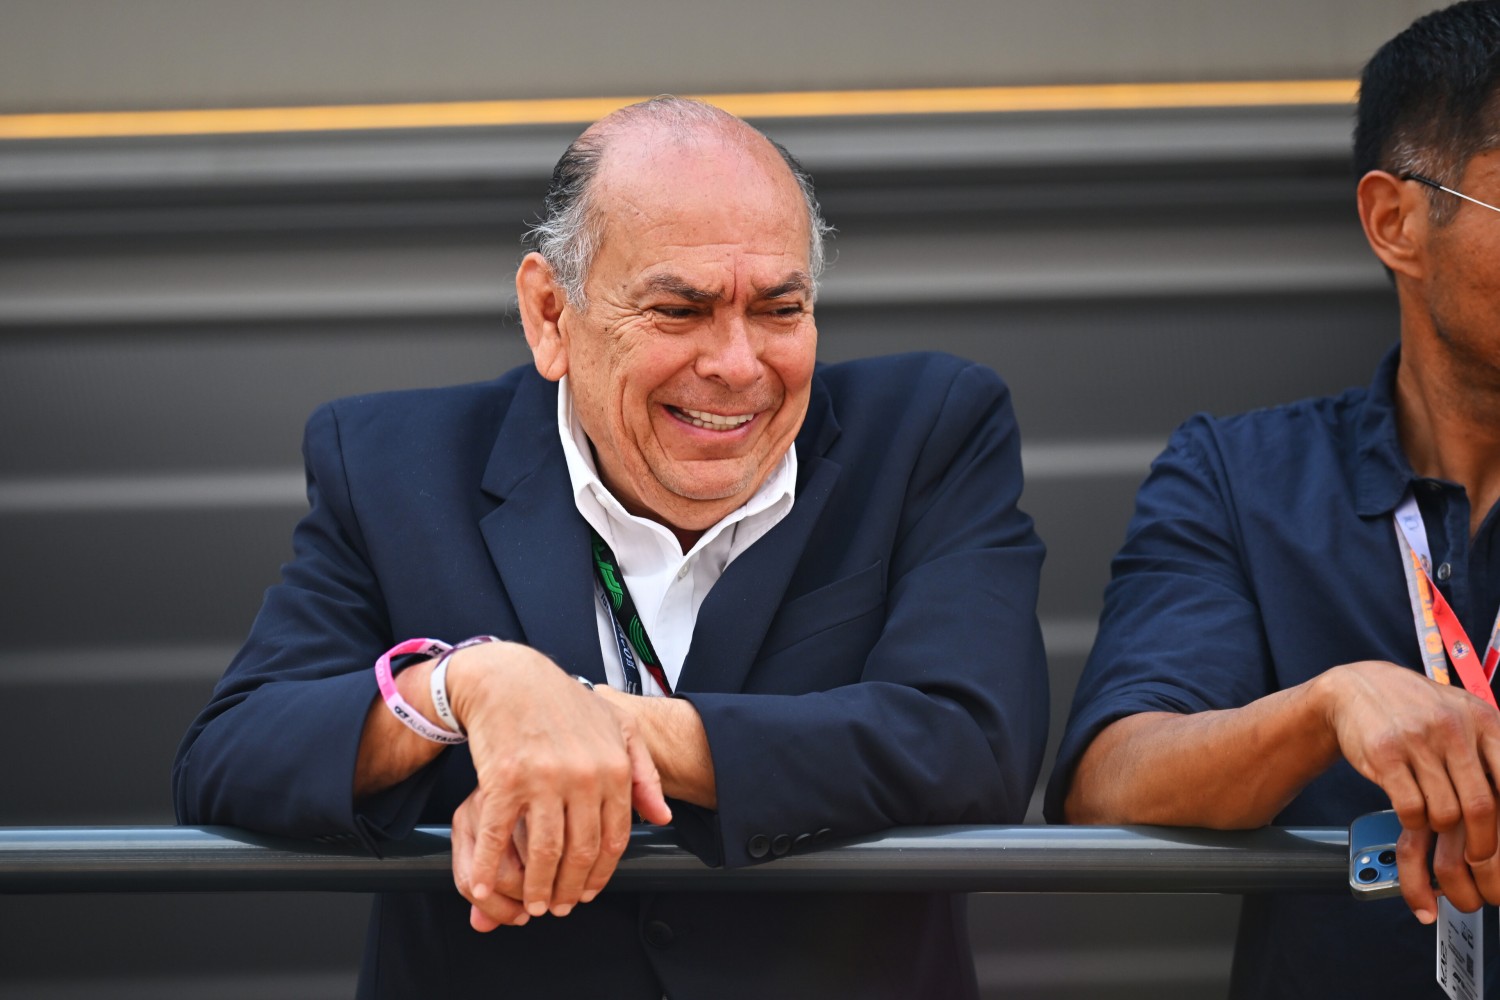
{"points": [[951, 859]]}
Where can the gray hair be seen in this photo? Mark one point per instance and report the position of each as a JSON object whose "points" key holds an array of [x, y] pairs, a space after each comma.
{"points": [[567, 235]]}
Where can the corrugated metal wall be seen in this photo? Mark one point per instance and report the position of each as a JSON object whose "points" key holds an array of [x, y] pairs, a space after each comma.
{"points": [[171, 310]]}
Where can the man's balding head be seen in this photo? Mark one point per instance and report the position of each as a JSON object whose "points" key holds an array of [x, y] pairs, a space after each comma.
{"points": [[673, 288], [568, 235]]}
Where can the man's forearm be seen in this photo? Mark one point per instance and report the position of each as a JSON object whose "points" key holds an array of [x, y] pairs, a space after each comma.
{"points": [[1232, 769], [389, 753], [677, 742]]}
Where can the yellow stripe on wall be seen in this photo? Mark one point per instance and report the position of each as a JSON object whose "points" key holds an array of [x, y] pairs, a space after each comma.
{"points": [[793, 104]]}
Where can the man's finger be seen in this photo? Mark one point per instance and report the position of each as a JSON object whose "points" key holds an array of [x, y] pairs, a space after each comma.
{"points": [[544, 847], [1441, 801], [511, 873], [497, 911], [1406, 797], [492, 832], [580, 849], [462, 839], [1477, 799], [614, 837], [1416, 881], [1486, 875], [1452, 872], [645, 783]]}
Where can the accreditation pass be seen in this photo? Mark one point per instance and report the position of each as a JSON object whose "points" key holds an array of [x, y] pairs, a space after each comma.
{"points": [[1460, 951]]}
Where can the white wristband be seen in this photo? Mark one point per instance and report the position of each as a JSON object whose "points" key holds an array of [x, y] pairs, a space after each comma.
{"points": [[438, 683], [439, 688]]}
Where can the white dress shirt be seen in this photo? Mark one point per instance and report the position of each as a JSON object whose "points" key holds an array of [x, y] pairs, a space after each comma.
{"points": [[666, 584]]}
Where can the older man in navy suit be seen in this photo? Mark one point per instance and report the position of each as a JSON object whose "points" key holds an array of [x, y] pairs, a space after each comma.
{"points": [[702, 578]]}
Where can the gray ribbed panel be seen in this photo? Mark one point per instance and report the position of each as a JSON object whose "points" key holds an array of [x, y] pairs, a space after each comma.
{"points": [[89, 54]]}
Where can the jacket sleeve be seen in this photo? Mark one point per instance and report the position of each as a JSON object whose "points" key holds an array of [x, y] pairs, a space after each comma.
{"points": [[947, 723], [275, 748]]}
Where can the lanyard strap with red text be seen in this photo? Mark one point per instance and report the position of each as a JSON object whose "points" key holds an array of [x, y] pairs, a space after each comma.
{"points": [[1438, 628]]}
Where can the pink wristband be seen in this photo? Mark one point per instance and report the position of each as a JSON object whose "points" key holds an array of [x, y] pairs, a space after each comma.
{"points": [[398, 705]]}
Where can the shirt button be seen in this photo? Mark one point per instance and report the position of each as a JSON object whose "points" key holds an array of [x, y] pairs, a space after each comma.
{"points": [[683, 572], [1445, 571]]}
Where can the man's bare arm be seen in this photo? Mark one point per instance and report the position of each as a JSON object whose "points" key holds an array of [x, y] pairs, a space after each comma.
{"points": [[1430, 747], [1232, 769]]}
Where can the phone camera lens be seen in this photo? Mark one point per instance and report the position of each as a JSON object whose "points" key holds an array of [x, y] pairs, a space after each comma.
{"points": [[1387, 857], [1368, 874]]}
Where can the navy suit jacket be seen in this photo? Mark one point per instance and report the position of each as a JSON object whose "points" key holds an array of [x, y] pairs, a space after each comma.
{"points": [[873, 661]]}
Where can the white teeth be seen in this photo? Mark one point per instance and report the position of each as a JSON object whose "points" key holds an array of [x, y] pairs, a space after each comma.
{"points": [[712, 421]]}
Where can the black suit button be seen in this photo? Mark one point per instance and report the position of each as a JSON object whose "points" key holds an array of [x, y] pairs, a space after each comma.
{"points": [[781, 844], [659, 934], [759, 846], [802, 840], [823, 834]]}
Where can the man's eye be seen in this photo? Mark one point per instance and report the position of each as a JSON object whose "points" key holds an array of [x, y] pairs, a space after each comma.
{"points": [[673, 312], [791, 310]]}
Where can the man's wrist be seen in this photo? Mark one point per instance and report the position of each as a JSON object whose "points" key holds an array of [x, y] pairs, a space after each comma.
{"points": [[1323, 696]]}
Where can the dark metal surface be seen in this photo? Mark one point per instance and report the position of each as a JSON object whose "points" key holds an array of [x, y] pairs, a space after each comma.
{"points": [[978, 859]]}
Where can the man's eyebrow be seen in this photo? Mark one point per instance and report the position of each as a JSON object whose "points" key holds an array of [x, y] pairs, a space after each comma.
{"points": [[670, 284], [797, 281]]}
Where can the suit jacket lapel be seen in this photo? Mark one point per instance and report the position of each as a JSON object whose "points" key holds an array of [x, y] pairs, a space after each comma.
{"points": [[536, 537], [737, 612]]}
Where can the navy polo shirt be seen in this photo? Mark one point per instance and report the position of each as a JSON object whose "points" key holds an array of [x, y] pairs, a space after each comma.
{"points": [[1261, 553]]}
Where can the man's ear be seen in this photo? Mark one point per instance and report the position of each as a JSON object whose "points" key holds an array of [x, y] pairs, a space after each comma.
{"points": [[1394, 214], [541, 301]]}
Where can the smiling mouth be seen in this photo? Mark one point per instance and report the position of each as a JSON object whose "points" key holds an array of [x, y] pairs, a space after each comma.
{"points": [[710, 421]]}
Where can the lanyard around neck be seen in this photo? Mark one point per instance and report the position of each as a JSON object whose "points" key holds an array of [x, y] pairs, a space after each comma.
{"points": [[1438, 628], [630, 632]]}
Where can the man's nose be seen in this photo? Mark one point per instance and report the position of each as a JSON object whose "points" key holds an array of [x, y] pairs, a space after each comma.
{"points": [[731, 354]]}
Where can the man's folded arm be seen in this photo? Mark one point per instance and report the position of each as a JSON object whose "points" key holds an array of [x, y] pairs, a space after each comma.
{"points": [[276, 748], [1174, 723], [947, 722]]}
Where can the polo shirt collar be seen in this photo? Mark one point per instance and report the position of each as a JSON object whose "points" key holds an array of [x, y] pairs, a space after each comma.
{"points": [[1382, 472]]}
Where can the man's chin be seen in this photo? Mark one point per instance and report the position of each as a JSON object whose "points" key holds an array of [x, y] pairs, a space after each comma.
{"points": [[699, 499]]}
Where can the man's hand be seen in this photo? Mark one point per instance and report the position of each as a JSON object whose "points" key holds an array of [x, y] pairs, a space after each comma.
{"points": [[559, 770], [674, 735], [1432, 748]]}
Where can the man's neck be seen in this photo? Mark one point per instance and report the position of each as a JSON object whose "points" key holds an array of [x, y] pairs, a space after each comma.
{"points": [[1449, 426]]}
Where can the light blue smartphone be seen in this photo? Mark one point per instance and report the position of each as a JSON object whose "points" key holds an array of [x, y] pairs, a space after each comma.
{"points": [[1372, 855]]}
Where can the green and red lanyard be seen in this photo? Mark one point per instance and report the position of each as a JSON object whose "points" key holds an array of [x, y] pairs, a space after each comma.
{"points": [[1438, 628], [630, 631]]}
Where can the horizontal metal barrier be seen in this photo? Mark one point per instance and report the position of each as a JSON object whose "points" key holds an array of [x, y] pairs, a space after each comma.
{"points": [[951, 859]]}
